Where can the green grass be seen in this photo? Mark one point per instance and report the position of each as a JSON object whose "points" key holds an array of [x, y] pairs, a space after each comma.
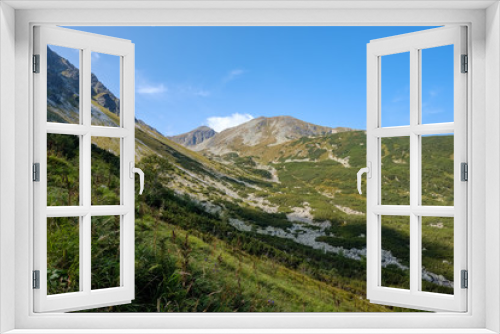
{"points": [[219, 268], [188, 260], [191, 261], [63, 257]]}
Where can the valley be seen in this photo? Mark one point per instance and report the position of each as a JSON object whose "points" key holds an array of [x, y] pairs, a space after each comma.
{"points": [[261, 217]]}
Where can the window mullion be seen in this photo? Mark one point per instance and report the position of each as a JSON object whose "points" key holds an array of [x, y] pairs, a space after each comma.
{"points": [[86, 162], [414, 169]]}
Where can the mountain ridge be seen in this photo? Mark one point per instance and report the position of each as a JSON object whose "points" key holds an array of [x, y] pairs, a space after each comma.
{"points": [[263, 132], [63, 98]]}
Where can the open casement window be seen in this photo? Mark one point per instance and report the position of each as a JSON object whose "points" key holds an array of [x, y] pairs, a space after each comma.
{"points": [[417, 209], [84, 208]]}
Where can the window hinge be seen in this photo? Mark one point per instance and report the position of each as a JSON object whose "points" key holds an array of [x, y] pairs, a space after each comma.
{"points": [[465, 279], [36, 172], [36, 279], [464, 172], [36, 63], [465, 64]]}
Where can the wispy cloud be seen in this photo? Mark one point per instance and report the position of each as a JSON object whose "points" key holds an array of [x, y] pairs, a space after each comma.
{"points": [[188, 91], [399, 98], [202, 93], [233, 75], [221, 123], [433, 110], [147, 89], [95, 56], [434, 92], [430, 109]]}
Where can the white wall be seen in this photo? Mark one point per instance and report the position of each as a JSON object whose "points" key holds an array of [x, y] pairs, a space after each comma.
{"points": [[492, 164], [488, 283], [7, 163]]}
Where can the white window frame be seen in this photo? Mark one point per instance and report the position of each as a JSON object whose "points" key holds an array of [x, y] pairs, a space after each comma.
{"points": [[85, 297], [414, 43], [483, 101]]}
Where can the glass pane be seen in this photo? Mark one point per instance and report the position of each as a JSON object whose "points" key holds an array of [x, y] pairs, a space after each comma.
{"points": [[105, 171], [105, 85], [63, 85], [395, 260], [63, 170], [437, 254], [395, 89], [63, 255], [437, 170], [105, 252], [437, 84], [395, 170]]}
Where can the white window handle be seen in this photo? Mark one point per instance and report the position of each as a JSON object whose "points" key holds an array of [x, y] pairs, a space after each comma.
{"points": [[134, 170], [368, 171]]}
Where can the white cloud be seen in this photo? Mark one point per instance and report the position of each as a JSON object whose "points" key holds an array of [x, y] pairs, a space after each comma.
{"points": [[233, 75], [95, 56], [151, 89], [222, 123]]}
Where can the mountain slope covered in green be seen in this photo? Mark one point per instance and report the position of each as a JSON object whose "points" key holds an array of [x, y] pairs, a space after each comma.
{"points": [[271, 227]]}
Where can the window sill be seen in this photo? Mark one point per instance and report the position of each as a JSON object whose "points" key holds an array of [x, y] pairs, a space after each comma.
{"points": [[252, 331]]}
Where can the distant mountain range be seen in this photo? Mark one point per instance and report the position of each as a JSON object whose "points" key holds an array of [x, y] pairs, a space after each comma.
{"points": [[259, 132]]}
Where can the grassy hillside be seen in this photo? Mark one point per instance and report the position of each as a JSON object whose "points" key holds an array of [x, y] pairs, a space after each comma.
{"points": [[276, 227], [188, 260]]}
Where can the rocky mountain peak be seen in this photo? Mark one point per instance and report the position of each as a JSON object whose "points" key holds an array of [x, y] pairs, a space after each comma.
{"points": [[194, 137], [263, 131]]}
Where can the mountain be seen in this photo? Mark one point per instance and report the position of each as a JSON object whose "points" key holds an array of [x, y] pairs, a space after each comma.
{"points": [[270, 222], [62, 89], [194, 137], [63, 95], [256, 135]]}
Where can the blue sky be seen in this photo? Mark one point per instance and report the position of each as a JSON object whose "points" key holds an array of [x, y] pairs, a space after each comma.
{"points": [[221, 76]]}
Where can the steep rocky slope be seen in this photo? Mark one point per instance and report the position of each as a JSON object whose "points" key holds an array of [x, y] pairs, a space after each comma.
{"points": [[63, 94]]}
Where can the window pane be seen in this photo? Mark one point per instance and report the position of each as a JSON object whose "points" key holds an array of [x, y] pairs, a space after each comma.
{"points": [[63, 170], [437, 170], [63, 85], [437, 84], [105, 171], [63, 255], [395, 170], [437, 254], [395, 260], [395, 89], [105, 85], [105, 252]]}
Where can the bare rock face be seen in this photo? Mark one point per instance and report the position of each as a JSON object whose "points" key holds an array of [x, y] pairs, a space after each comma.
{"points": [[108, 101], [63, 96], [194, 137], [104, 96], [63, 93]]}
